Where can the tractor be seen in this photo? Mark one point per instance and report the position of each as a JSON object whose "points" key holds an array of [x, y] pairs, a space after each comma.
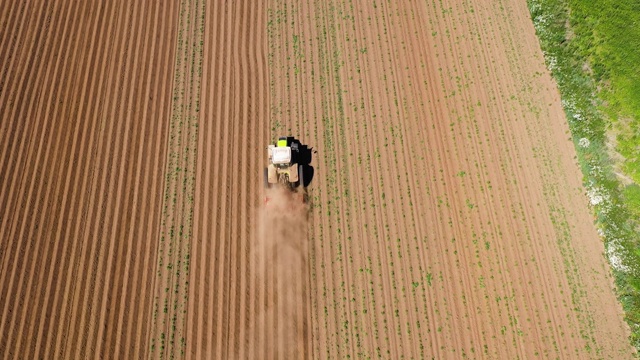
{"points": [[284, 169], [283, 166]]}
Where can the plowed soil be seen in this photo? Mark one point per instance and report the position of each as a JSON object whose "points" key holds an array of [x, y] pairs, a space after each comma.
{"points": [[445, 216], [84, 98]]}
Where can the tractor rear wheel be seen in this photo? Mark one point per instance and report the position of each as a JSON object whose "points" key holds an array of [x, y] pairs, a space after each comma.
{"points": [[266, 178], [301, 175]]}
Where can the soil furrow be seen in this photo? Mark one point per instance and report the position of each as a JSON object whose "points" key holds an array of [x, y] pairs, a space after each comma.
{"points": [[10, 131], [17, 166], [49, 311], [48, 200], [78, 211], [122, 219], [26, 274]]}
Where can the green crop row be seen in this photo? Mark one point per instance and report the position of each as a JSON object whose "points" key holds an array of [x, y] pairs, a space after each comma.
{"points": [[169, 309]]}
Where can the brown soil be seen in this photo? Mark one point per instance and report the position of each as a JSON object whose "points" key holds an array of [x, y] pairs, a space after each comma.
{"points": [[279, 264], [446, 217], [84, 94], [449, 220]]}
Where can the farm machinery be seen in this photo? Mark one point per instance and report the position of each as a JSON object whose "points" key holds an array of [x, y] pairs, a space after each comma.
{"points": [[284, 169]]}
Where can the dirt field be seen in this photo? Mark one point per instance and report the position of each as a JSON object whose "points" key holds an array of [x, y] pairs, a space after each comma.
{"points": [[84, 106], [446, 216]]}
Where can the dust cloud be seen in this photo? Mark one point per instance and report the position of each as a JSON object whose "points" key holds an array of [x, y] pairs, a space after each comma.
{"points": [[280, 266]]}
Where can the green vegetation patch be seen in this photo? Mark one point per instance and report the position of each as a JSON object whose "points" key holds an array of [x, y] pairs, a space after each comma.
{"points": [[607, 36], [592, 49]]}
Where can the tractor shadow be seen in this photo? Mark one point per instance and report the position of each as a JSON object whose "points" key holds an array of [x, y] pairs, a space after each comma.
{"points": [[304, 157]]}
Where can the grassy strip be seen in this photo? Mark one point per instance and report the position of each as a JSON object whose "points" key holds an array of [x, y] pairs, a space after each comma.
{"points": [[579, 58], [607, 34]]}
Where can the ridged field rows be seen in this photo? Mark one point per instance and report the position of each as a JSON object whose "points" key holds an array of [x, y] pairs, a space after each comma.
{"points": [[446, 214], [84, 94], [225, 317]]}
